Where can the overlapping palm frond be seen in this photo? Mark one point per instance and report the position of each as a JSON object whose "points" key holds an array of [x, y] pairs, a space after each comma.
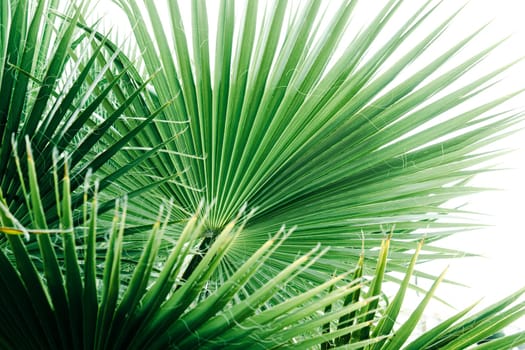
{"points": [[300, 119], [76, 304], [67, 89], [344, 131]]}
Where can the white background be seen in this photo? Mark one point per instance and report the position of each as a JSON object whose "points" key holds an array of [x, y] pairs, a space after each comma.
{"points": [[502, 269]]}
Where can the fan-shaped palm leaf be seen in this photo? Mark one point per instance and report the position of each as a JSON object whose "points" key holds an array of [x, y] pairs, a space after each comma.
{"points": [[344, 131]]}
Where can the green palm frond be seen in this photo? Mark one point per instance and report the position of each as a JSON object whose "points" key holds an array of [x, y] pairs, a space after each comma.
{"points": [[457, 332], [71, 307], [291, 116], [346, 132], [67, 90], [68, 305]]}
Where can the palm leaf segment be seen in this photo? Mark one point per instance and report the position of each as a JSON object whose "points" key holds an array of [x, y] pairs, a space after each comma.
{"points": [[344, 134]]}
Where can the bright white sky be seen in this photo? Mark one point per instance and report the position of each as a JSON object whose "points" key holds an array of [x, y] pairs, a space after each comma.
{"points": [[503, 269]]}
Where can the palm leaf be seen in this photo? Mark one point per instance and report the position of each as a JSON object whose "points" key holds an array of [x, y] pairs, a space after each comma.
{"points": [[337, 137], [342, 140], [81, 310], [59, 88], [70, 306]]}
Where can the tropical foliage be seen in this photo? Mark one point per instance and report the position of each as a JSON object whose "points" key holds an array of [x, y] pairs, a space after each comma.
{"points": [[317, 126], [294, 173], [67, 90], [82, 305]]}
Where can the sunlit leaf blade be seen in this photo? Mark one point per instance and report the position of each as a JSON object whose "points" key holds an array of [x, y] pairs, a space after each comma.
{"points": [[90, 305], [487, 317], [508, 342], [407, 328], [52, 270], [426, 338], [389, 318], [368, 312]]}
